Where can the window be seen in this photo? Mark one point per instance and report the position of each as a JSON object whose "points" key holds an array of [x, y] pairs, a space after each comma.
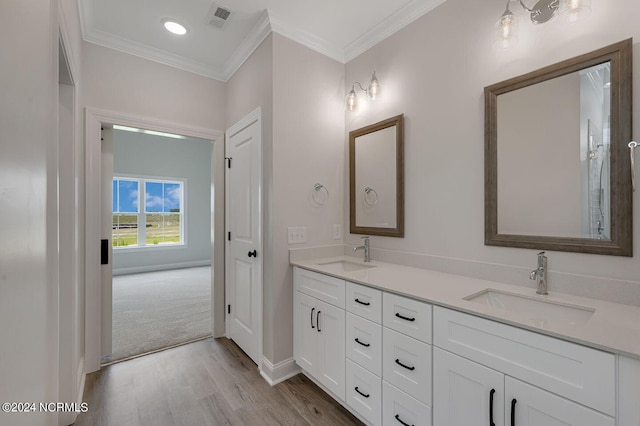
{"points": [[157, 219]]}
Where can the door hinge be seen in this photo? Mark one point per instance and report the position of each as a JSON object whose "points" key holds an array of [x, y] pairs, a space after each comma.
{"points": [[229, 236], [228, 309], [228, 161]]}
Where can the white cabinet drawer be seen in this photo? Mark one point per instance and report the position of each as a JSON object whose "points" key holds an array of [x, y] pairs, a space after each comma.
{"points": [[400, 409], [364, 343], [323, 287], [406, 364], [364, 393], [573, 371], [407, 316], [364, 301]]}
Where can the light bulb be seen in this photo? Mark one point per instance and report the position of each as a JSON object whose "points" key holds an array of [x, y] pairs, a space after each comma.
{"points": [[576, 9], [373, 88], [174, 27], [507, 30], [352, 100]]}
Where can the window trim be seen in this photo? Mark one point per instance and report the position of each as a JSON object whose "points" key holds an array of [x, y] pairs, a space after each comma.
{"points": [[142, 219]]}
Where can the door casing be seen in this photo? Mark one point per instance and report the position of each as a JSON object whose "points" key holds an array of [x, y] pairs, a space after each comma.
{"points": [[94, 118]]}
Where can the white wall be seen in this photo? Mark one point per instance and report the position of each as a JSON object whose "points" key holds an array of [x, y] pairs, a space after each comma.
{"points": [[308, 148], [28, 211], [116, 81], [142, 154], [434, 71]]}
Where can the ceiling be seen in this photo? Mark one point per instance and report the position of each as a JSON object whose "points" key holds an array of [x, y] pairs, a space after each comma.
{"points": [[340, 29]]}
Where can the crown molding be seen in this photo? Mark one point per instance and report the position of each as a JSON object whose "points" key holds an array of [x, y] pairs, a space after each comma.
{"points": [[147, 52], [389, 26], [268, 22], [256, 36], [333, 51]]}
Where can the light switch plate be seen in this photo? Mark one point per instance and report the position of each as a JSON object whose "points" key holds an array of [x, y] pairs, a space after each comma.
{"points": [[337, 232], [297, 235]]}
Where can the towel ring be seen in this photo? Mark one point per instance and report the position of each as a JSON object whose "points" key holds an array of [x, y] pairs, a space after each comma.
{"points": [[632, 152], [320, 200], [367, 192]]}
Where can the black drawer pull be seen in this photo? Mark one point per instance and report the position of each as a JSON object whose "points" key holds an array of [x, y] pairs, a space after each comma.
{"points": [[405, 318], [318, 321], [366, 345], [513, 412], [361, 302], [400, 420], [366, 395], [312, 309], [491, 422], [405, 366]]}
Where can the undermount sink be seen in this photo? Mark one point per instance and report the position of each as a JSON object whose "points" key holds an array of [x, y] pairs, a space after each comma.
{"points": [[538, 311], [344, 266]]}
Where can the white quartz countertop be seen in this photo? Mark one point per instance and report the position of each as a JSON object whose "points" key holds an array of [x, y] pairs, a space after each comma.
{"points": [[613, 327]]}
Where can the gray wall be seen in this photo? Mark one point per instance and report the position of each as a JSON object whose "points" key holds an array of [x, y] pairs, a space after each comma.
{"points": [[156, 156]]}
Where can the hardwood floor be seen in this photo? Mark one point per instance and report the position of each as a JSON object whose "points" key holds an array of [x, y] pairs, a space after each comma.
{"points": [[210, 382]]}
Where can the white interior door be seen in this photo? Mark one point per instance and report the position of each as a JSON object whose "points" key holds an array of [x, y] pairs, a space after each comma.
{"points": [[106, 232], [243, 279]]}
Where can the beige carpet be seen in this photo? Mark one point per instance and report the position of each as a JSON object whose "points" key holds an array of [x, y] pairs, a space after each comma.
{"points": [[159, 309]]}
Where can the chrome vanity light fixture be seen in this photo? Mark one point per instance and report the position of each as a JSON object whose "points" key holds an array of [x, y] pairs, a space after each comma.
{"points": [[372, 91], [543, 11]]}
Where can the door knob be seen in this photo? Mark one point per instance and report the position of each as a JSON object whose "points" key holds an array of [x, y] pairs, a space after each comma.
{"points": [[252, 254]]}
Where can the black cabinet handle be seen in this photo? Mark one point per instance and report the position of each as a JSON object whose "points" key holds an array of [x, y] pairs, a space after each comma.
{"points": [[513, 412], [361, 302], [366, 345], [312, 309], [405, 318], [366, 395], [400, 420], [318, 321], [491, 423], [252, 254], [405, 366]]}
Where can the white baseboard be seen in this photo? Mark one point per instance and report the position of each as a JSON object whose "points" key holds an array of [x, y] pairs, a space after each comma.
{"points": [[163, 267], [279, 372]]}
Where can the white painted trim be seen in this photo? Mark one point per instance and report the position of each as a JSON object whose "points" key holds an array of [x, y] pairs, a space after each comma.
{"points": [[163, 267], [252, 41], [140, 50], [278, 372], [280, 26], [389, 26], [93, 119]]}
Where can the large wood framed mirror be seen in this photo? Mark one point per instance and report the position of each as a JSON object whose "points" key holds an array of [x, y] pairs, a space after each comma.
{"points": [[376, 178], [557, 169]]}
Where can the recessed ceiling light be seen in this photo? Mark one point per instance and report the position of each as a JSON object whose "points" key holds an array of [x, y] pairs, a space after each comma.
{"points": [[174, 26]]}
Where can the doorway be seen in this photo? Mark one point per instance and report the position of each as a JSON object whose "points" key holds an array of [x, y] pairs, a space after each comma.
{"points": [[159, 212], [98, 296]]}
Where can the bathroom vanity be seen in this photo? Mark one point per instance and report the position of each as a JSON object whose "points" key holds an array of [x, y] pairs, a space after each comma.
{"points": [[398, 345]]}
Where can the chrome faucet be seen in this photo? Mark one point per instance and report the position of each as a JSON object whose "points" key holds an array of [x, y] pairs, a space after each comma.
{"points": [[540, 274], [365, 247]]}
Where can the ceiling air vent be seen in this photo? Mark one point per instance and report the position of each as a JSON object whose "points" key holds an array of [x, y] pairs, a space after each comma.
{"points": [[218, 16]]}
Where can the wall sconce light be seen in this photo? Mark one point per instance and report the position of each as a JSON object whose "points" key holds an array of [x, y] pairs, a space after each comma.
{"points": [[543, 11], [372, 91]]}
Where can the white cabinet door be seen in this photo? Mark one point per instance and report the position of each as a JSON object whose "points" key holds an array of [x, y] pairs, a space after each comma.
{"points": [[466, 393], [531, 406], [330, 327], [304, 329]]}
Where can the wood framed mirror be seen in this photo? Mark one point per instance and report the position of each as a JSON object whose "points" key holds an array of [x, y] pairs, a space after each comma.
{"points": [[376, 178], [557, 169]]}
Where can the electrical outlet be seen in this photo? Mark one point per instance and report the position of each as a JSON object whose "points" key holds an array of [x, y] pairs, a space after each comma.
{"points": [[337, 232], [297, 235]]}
